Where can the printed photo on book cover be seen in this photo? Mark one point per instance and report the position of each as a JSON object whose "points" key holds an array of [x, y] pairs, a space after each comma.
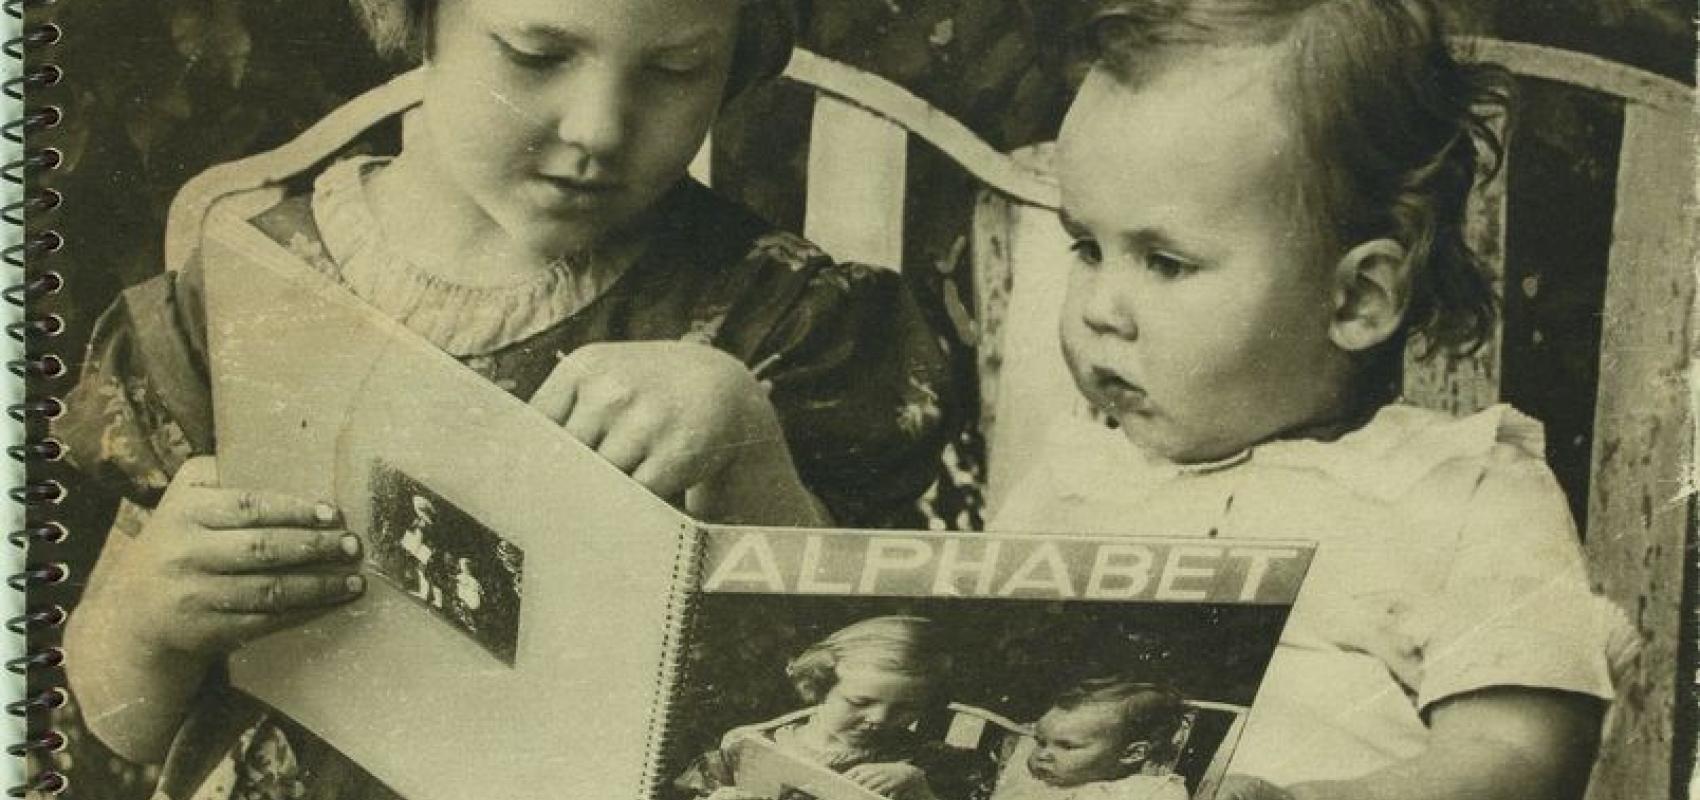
{"points": [[844, 667]]}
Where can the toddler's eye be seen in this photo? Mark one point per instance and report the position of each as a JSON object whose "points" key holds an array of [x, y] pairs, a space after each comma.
{"points": [[1168, 265], [1087, 251]]}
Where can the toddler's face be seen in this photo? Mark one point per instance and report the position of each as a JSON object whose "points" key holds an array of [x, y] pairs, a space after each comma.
{"points": [[565, 120], [1080, 745], [1198, 312], [868, 704]]}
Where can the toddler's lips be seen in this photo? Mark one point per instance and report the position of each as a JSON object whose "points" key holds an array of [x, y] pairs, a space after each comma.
{"points": [[1119, 393]]}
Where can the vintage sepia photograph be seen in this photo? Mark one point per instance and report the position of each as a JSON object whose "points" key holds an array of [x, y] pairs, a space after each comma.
{"points": [[860, 399]]}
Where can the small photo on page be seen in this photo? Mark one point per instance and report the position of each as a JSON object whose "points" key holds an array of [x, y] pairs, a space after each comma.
{"points": [[464, 572]]}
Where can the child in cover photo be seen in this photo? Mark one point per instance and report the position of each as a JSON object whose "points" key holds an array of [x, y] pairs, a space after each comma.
{"points": [[865, 686], [1095, 741], [1240, 310], [535, 222]]}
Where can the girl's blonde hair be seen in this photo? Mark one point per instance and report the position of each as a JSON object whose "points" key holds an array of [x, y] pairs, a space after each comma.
{"points": [[909, 646], [766, 31]]}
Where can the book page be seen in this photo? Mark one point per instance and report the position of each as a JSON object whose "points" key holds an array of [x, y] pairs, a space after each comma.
{"points": [[518, 585], [764, 769]]}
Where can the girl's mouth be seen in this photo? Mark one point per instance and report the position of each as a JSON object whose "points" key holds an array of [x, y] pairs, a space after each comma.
{"points": [[577, 192]]}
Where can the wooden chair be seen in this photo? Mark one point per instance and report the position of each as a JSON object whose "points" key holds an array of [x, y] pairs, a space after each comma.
{"points": [[1639, 506]]}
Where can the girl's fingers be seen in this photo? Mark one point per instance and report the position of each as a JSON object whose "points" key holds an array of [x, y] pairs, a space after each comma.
{"points": [[594, 414], [253, 508], [559, 392], [200, 471], [278, 594], [241, 628], [665, 475], [270, 549], [627, 445]]}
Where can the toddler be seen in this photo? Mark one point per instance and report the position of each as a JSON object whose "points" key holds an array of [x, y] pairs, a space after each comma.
{"points": [[1267, 199], [1094, 743]]}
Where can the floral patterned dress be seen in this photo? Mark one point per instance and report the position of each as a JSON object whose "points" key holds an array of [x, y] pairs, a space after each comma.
{"points": [[856, 377]]}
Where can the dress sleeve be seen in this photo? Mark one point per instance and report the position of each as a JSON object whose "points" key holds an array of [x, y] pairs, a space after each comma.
{"points": [[860, 385], [142, 405], [1515, 609]]}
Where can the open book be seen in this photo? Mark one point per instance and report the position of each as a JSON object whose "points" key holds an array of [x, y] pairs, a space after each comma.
{"points": [[592, 639], [766, 770]]}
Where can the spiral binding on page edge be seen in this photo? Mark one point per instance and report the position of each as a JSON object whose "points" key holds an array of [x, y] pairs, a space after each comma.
{"points": [[34, 333], [671, 673]]}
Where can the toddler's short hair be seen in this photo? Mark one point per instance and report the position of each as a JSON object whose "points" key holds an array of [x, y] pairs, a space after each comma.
{"points": [[1149, 712], [903, 645], [766, 32], [1397, 129]]}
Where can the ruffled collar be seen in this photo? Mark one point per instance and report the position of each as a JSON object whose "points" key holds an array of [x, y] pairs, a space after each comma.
{"points": [[1399, 446], [459, 319]]}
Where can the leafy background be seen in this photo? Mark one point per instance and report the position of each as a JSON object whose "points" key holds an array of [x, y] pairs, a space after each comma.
{"points": [[157, 90]]}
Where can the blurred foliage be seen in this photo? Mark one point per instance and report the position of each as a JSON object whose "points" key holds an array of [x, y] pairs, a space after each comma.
{"points": [[158, 90]]}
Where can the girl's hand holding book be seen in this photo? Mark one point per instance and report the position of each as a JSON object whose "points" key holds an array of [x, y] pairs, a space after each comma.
{"points": [[215, 567], [679, 416], [211, 568]]}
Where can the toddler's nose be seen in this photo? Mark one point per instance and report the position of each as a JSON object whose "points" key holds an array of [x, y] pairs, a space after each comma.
{"points": [[1108, 309]]}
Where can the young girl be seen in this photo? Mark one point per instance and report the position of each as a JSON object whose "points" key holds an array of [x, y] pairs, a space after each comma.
{"points": [[537, 224], [866, 684], [1267, 199]]}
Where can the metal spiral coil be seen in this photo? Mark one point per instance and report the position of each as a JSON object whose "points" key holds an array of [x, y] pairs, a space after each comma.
{"points": [[34, 331]]}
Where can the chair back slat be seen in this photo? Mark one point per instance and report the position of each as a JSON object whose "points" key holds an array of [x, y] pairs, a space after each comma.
{"points": [[858, 166], [888, 100], [1468, 383], [1638, 512], [1021, 264]]}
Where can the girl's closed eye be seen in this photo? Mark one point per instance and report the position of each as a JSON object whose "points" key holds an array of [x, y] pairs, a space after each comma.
{"points": [[682, 65], [528, 57]]}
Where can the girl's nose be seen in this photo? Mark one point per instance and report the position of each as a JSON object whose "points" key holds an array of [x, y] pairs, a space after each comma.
{"points": [[594, 111], [1108, 308]]}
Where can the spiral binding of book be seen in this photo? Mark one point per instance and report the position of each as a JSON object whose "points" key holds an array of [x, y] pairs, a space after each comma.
{"points": [[35, 331], [671, 674]]}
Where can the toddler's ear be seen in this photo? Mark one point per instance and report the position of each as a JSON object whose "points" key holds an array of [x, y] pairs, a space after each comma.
{"points": [[1135, 753], [1372, 289]]}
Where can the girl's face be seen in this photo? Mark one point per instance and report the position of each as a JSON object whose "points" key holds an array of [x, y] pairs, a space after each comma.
{"points": [[564, 121], [1197, 312], [868, 704]]}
